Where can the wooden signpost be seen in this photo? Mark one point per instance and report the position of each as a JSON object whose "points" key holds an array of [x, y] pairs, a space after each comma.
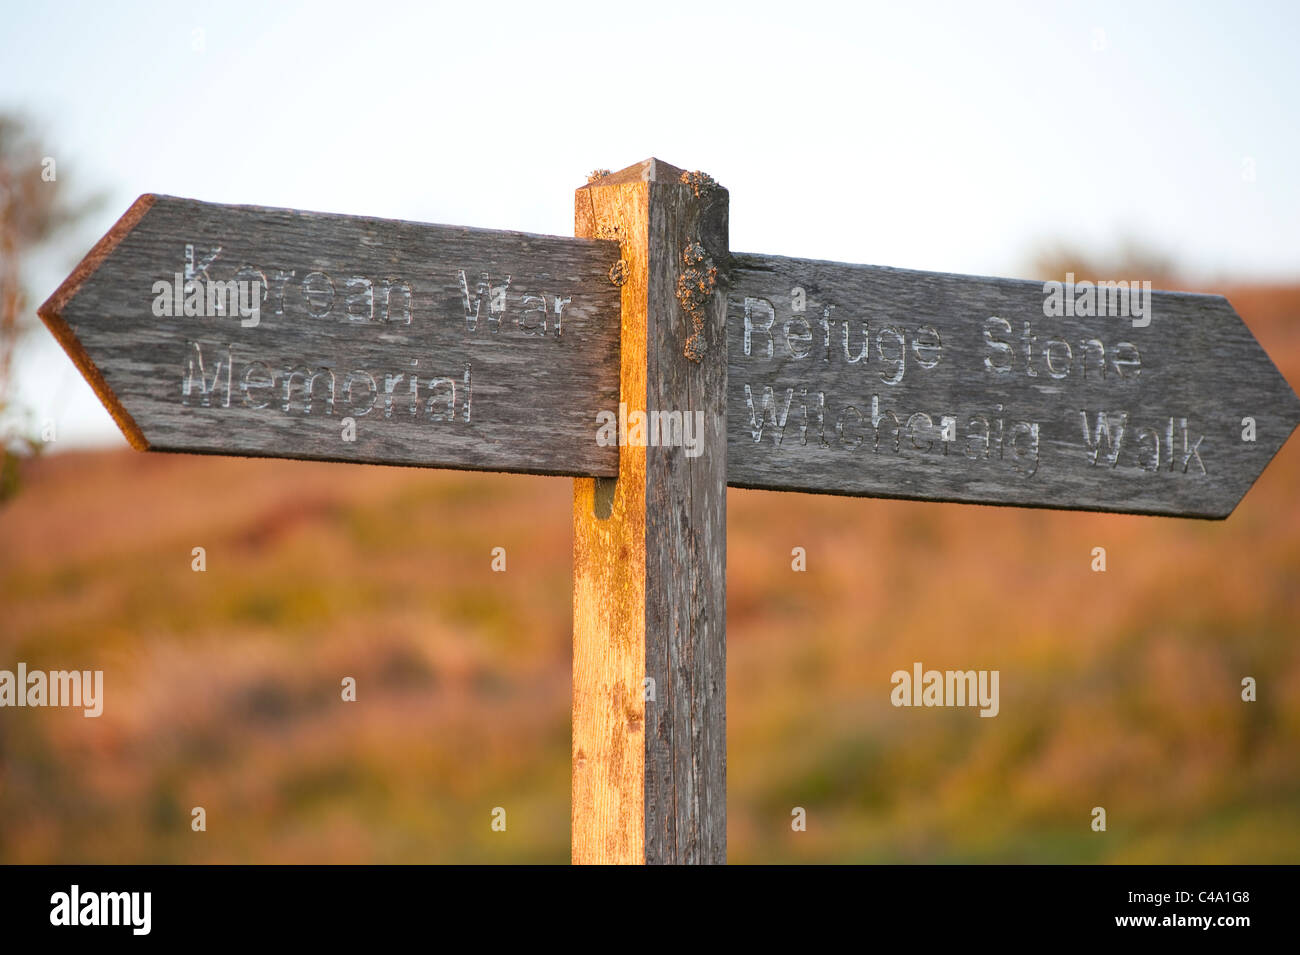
{"points": [[646, 360]]}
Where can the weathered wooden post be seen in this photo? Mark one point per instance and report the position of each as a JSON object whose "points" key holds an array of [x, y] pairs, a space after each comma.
{"points": [[649, 547]]}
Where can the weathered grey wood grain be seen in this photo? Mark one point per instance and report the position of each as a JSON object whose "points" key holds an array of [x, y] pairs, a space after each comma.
{"points": [[649, 675], [686, 534], [1023, 410], [501, 370]]}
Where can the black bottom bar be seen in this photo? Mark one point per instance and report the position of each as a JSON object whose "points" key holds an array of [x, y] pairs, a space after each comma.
{"points": [[332, 904]]}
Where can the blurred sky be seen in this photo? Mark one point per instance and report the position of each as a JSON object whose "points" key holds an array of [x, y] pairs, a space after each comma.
{"points": [[954, 137]]}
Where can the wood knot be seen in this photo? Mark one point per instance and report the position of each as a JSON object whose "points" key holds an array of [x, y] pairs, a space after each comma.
{"points": [[618, 272]]}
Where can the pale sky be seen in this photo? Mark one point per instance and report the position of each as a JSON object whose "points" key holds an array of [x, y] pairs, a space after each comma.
{"points": [[949, 136]]}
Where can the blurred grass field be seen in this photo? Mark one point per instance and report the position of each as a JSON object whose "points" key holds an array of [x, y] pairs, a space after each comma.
{"points": [[1119, 689]]}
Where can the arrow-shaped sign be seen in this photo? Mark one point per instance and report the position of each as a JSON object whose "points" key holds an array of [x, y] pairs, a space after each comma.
{"points": [[856, 379], [246, 330], [270, 332]]}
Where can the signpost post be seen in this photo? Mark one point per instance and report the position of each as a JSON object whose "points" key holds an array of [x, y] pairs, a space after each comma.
{"points": [[647, 361], [650, 547]]}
